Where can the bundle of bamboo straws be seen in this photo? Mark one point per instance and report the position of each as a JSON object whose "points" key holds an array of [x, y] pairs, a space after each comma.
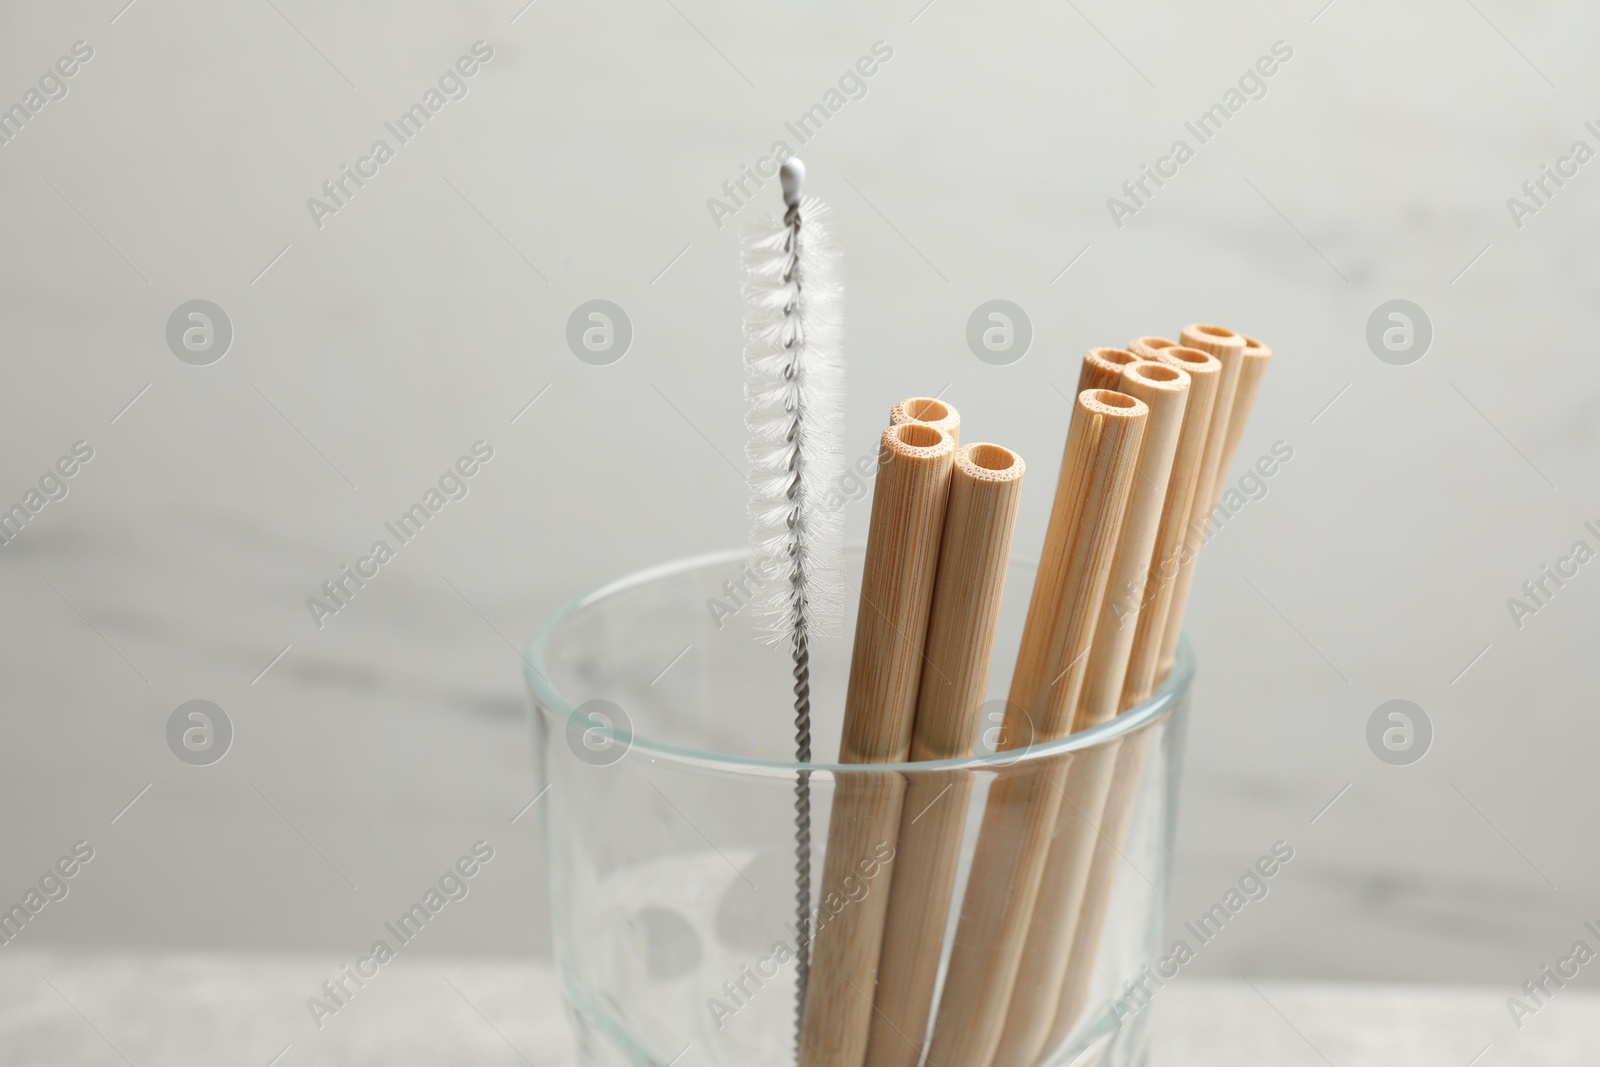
{"points": [[1153, 430]]}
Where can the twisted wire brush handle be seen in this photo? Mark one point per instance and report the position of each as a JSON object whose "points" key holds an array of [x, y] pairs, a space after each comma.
{"points": [[792, 178]]}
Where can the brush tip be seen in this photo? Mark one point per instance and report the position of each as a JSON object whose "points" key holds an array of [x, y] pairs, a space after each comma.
{"points": [[792, 176]]}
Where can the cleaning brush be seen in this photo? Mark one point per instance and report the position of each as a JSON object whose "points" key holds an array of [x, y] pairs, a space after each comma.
{"points": [[794, 382]]}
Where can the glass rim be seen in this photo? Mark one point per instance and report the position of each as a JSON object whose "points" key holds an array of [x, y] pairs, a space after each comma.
{"points": [[552, 702]]}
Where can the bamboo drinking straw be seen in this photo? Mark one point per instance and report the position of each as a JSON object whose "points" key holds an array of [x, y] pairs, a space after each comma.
{"points": [[974, 550], [1141, 679], [908, 508], [1091, 496], [1142, 672], [1102, 878], [1147, 347], [1102, 368], [1165, 390], [1205, 372], [1256, 357], [931, 410], [1228, 347]]}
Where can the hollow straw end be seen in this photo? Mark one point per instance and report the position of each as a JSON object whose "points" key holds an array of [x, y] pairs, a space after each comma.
{"points": [[1191, 360], [1207, 337], [930, 410], [985, 462], [1153, 375], [1109, 403], [1146, 347], [1102, 367]]}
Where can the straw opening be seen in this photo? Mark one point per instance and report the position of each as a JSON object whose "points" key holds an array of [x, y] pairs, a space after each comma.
{"points": [[1111, 399], [1156, 372], [917, 435], [991, 457], [1120, 356]]}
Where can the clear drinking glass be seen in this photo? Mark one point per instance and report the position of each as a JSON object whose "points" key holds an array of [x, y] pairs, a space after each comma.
{"points": [[664, 731]]}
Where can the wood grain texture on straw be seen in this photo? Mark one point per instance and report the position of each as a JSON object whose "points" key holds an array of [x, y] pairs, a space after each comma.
{"points": [[1144, 668], [1108, 860], [1047, 952], [1256, 357], [975, 547], [908, 506], [1165, 391], [930, 410], [1166, 557], [1228, 347], [1097, 470], [973, 553], [1142, 675]]}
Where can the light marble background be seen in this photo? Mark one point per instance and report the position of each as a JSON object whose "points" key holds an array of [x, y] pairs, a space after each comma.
{"points": [[429, 312]]}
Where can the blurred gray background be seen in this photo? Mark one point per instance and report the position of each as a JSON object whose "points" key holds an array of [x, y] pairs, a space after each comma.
{"points": [[371, 352]]}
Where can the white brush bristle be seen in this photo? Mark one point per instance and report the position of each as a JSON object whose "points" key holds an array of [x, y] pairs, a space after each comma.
{"points": [[814, 297]]}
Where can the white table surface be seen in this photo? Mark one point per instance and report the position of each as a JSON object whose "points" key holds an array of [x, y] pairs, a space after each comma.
{"points": [[89, 1010]]}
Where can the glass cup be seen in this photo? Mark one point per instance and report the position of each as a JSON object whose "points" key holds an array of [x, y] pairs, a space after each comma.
{"points": [[664, 732]]}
